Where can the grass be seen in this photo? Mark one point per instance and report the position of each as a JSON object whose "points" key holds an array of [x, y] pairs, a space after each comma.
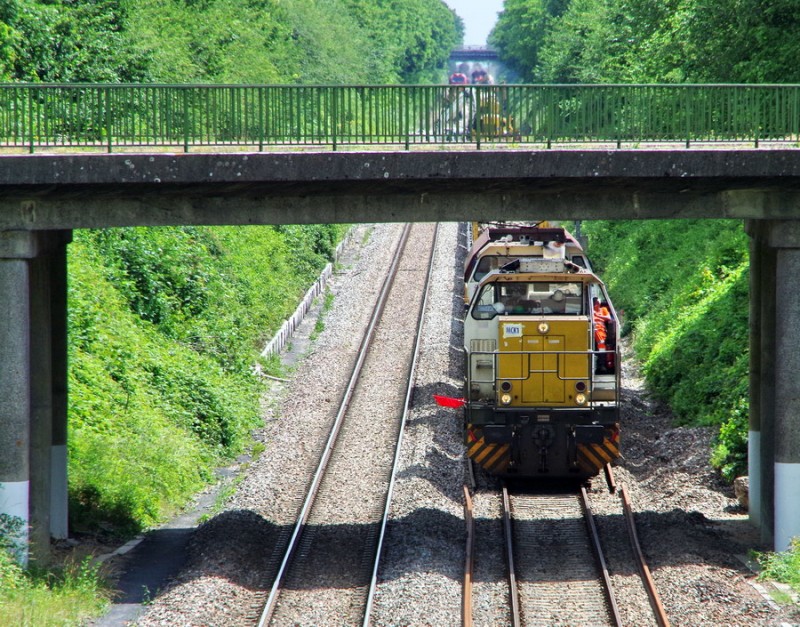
{"points": [[366, 237], [783, 567], [68, 595], [319, 326]]}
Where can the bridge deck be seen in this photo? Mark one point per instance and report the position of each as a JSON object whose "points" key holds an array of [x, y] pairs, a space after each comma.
{"points": [[100, 190]]}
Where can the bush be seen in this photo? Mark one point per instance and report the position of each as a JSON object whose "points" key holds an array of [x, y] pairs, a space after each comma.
{"points": [[683, 286], [165, 328]]}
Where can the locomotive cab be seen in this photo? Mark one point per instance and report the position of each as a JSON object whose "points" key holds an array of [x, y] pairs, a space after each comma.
{"points": [[496, 247], [542, 390]]}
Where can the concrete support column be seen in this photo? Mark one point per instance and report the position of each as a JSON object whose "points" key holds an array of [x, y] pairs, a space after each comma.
{"points": [[785, 236], [58, 318], [41, 408], [765, 450], [754, 434], [16, 247]]}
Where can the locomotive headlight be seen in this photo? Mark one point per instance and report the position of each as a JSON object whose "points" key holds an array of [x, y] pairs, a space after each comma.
{"points": [[580, 399], [505, 399], [543, 327]]}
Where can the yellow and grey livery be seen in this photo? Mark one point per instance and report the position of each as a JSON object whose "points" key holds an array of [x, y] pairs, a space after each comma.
{"points": [[542, 400]]}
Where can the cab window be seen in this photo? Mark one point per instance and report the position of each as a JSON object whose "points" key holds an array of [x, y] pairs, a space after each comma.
{"points": [[530, 298]]}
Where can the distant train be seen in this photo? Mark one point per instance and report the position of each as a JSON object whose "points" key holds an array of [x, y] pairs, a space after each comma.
{"points": [[479, 77], [469, 113], [542, 393]]}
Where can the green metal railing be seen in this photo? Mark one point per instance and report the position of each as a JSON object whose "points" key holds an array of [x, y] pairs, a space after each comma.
{"points": [[45, 117]]}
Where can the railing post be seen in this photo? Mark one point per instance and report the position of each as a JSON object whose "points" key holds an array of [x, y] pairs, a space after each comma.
{"points": [[29, 91], [425, 116], [552, 118], [406, 116], [260, 118], [478, 116], [109, 118], [334, 114], [688, 109], [186, 119], [794, 132], [756, 116], [618, 116]]}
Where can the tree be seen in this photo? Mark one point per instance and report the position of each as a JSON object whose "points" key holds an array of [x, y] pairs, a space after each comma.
{"points": [[76, 41], [521, 30], [646, 41], [413, 37]]}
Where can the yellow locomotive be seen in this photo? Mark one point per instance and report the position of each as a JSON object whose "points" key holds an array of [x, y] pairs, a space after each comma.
{"points": [[542, 371]]}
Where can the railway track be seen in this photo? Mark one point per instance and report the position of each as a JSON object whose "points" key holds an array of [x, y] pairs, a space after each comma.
{"points": [[332, 548], [556, 570]]}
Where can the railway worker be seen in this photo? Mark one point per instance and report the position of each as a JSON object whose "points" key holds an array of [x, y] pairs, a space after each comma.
{"points": [[558, 303], [602, 318]]}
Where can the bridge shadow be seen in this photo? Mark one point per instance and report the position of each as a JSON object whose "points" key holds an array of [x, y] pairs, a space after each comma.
{"points": [[236, 545]]}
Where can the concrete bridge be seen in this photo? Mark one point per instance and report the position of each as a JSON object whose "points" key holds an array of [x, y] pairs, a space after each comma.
{"points": [[43, 197]]}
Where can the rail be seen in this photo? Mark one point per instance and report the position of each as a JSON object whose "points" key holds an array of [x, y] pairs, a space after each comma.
{"points": [[302, 519], [597, 547], [469, 562], [644, 571], [192, 117], [513, 596], [373, 585]]}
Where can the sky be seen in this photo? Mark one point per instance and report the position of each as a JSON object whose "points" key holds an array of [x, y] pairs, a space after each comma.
{"points": [[479, 18]]}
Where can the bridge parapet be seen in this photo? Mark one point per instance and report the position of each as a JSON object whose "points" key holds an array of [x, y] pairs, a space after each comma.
{"points": [[192, 117]]}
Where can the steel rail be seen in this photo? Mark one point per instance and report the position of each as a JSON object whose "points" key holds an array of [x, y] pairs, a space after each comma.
{"points": [[512, 577], [466, 604], [401, 430], [601, 561], [610, 481], [644, 571], [269, 607]]}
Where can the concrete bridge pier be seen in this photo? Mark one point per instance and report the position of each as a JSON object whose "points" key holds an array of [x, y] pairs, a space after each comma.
{"points": [[16, 248], [761, 440], [58, 336], [755, 495], [33, 384], [784, 236]]}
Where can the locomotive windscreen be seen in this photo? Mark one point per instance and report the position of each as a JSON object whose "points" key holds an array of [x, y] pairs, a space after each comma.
{"points": [[533, 298]]}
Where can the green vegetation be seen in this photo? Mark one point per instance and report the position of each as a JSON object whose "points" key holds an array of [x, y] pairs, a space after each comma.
{"points": [[165, 326], [783, 567], [682, 289], [319, 326], [223, 41], [66, 596], [642, 41]]}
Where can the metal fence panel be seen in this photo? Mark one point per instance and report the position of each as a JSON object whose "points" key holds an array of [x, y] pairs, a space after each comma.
{"points": [[50, 116]]}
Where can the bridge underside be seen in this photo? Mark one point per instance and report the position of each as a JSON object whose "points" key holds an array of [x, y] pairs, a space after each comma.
{"points": [[44, 197], [96, 190]]}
